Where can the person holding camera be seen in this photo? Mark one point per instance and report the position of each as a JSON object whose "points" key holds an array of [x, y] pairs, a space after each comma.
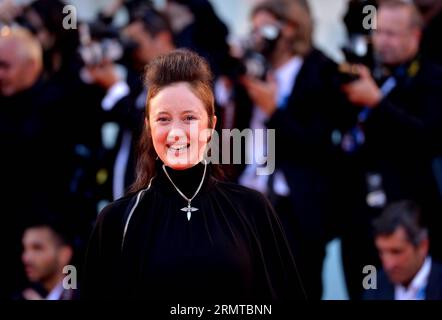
{"points": [[397, 130], [296, 97], [147, 35], [190, 20]]}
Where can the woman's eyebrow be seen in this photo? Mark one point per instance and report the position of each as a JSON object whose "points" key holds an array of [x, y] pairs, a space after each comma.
{"points": [[189, 111], [162, 113]]}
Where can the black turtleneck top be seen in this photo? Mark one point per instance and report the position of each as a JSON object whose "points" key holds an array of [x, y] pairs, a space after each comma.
{"points": [[232, 248]]}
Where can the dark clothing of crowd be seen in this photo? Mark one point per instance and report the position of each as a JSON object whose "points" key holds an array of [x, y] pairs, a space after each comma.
{"points": [[55, 154]]}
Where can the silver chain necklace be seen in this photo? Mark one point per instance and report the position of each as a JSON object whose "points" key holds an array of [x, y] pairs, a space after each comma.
{"points": [[189, 209]]}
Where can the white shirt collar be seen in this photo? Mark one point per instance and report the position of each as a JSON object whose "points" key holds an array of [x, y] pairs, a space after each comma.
{"points": [[286, 75], [416, 289], [56, 292]]}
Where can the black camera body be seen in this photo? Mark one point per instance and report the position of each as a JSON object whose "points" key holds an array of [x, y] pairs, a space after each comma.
{"points": [[255, 52], [357, 51], [254, 64], [99, 43], [347, 73]]}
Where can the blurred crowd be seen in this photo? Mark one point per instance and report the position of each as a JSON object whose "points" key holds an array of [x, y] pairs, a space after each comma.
{"points": [[358, 144]]}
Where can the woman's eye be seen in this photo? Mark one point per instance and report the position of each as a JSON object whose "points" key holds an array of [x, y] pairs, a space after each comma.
{"points": [[162, 119], [190, 118]]}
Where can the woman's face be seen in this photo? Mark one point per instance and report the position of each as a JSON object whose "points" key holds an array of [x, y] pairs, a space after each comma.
{"points": [[179, 123]]}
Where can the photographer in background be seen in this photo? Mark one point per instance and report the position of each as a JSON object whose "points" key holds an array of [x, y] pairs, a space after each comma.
{"points": [[358, 48], [397, 132], [44, 18], [297, 98], [131, 6], [147, 35], [190, 20], [22, 136], [34, 172]]}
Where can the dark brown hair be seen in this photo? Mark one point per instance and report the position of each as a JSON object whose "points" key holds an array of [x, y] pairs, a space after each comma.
{"points": [[296, 12], [406, 214], [177, 66]]}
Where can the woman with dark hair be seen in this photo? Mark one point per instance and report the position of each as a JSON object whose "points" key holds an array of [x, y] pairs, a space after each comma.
{"points": [[182, 233]]}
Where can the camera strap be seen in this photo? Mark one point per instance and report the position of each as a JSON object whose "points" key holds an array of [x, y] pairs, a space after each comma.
{"points": [[355, 138], [386, 88], [401, 75]]}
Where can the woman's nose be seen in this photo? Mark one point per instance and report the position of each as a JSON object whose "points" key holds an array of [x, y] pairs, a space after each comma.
{"points": [[176, 134]]}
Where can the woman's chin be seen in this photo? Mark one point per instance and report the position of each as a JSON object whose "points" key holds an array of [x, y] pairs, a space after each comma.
{"points": [[181, 163]]}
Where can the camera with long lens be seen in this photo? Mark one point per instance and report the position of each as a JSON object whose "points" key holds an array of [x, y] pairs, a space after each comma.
{"points": [[256, 50], [358, 50], [99, 44]]}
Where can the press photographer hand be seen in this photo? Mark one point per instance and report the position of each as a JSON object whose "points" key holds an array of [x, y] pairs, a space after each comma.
{"points": [[363, 92], [262, 93]]}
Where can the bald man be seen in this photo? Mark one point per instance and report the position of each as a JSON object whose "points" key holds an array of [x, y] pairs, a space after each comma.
{"points": [[27, 154], [20, 60]]}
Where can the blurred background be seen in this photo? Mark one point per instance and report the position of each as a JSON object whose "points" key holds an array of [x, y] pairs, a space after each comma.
{"points": [[363, 113]]}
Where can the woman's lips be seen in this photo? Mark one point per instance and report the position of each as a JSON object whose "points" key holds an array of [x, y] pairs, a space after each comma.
{"points": [[177, 149]]}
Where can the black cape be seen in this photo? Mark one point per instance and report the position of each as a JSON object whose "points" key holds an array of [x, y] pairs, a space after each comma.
{"points": [[232, 248]]}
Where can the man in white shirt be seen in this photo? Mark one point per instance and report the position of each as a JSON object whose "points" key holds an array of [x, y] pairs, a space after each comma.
{"points": [[45, 254], [409, 273]]}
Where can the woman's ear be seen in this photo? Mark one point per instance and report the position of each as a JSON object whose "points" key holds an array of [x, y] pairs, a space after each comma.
{"points": [[214, 122]]}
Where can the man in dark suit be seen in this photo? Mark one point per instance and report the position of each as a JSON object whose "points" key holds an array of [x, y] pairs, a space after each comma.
{"points": [[24, 144], [47, 250], [34, 118], [297, 100], [190, 19], [398, 114], [409, 273]]}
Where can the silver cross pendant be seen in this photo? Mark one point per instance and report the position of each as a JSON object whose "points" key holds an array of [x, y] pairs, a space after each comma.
{"points": [[189, 209]]}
